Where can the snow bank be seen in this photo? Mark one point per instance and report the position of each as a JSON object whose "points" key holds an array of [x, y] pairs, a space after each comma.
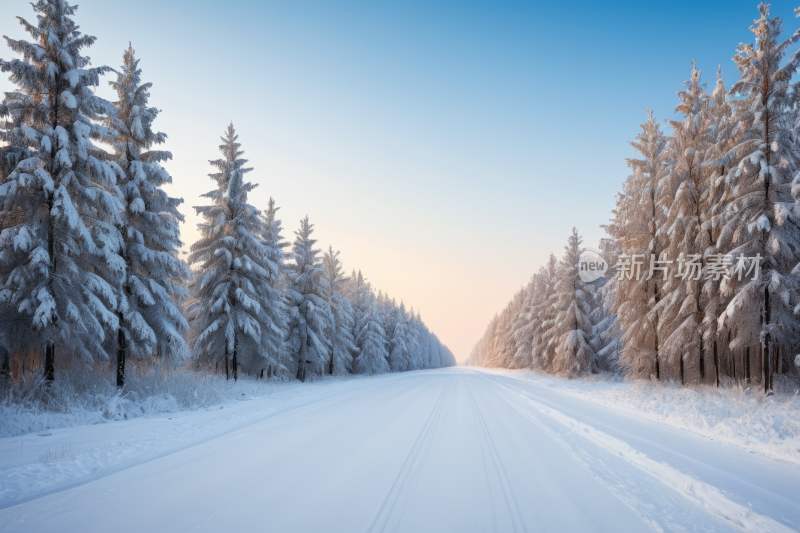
{"points": [[766, 425], [91, 397]]}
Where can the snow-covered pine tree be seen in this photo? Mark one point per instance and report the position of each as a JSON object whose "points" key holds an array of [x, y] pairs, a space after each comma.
{"points": [[62, 263], [759, 215], [309, 294], [360, 294], [572, 330], [399, 355], [150, 323], [415, 340], [275, 304], [371, 339], [231, 286], [343, 346], [525, 325], [680, 322], [638, 217], [543, 350], [607, 342]]}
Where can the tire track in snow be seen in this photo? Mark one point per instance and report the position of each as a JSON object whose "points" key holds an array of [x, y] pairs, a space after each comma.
{"points": [[594, 422], [375, 411], [505, 484], [385, 512], [683, 502]]}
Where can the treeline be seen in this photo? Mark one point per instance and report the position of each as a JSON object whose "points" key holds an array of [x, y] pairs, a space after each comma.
{"points": [[714, 208], [89, 264]]}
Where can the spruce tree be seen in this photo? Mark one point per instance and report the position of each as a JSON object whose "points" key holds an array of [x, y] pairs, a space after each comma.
{"points": [[343, 346], [150, 322], [371, 339], [61, 264], [758, 217], [275, 304], [639, 216], [311, 317], [543, 350], [572, 329], [679, 313], [399, 355], [235, 270]]}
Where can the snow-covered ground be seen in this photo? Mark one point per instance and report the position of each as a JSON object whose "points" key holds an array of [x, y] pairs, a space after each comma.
{"points": [[459, 449], [763, 425]]}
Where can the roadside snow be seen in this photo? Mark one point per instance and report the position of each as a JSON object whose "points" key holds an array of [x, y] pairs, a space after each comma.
{"points": [[56, 457], [764, 425]]}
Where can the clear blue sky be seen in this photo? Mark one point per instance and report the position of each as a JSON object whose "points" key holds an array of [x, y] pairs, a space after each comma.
{"points": [[445, 147]]}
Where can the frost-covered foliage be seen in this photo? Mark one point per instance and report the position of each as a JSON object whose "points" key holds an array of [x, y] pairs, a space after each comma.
{"points": [[275, 303], [150, 322], [646, 193], [760, 215], [714, 207], [83, 396], [60, 262], [373, 345], [572, 330], [312, 322], [236, 270], [343, 347]]}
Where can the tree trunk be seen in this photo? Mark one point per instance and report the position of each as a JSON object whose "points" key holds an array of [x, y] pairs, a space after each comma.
{"points": [[227, 374], [49, 362], [301, 363], [767, 344], [235, 360], [683, 382], [702, 361], [747, 366], [121, 352], [716, 364], [5, 364]]}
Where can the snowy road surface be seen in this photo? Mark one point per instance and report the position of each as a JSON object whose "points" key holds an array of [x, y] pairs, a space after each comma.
{"points": [[445, 450]]}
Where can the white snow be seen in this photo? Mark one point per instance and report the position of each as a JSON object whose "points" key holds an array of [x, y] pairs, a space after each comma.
{"points": [[459, 449], [763, 223], [763, 425]]}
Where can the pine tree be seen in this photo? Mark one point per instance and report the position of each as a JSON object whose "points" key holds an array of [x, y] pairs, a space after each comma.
{"points": [[150, 323], [607, 342], [638, 218], [572, 331], [543, 350], [62, 263], [759, 216], [680, 322], [233, 283], [371, 339], [343, 346], [310, 292], [524, 326], [399, 355], [275, 304]]}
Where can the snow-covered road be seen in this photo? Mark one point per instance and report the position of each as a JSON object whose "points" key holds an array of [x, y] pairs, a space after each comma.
{"points": [[446, 450]]}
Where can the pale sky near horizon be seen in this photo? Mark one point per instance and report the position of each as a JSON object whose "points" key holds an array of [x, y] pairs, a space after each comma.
{"points": [[446, 148]]}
